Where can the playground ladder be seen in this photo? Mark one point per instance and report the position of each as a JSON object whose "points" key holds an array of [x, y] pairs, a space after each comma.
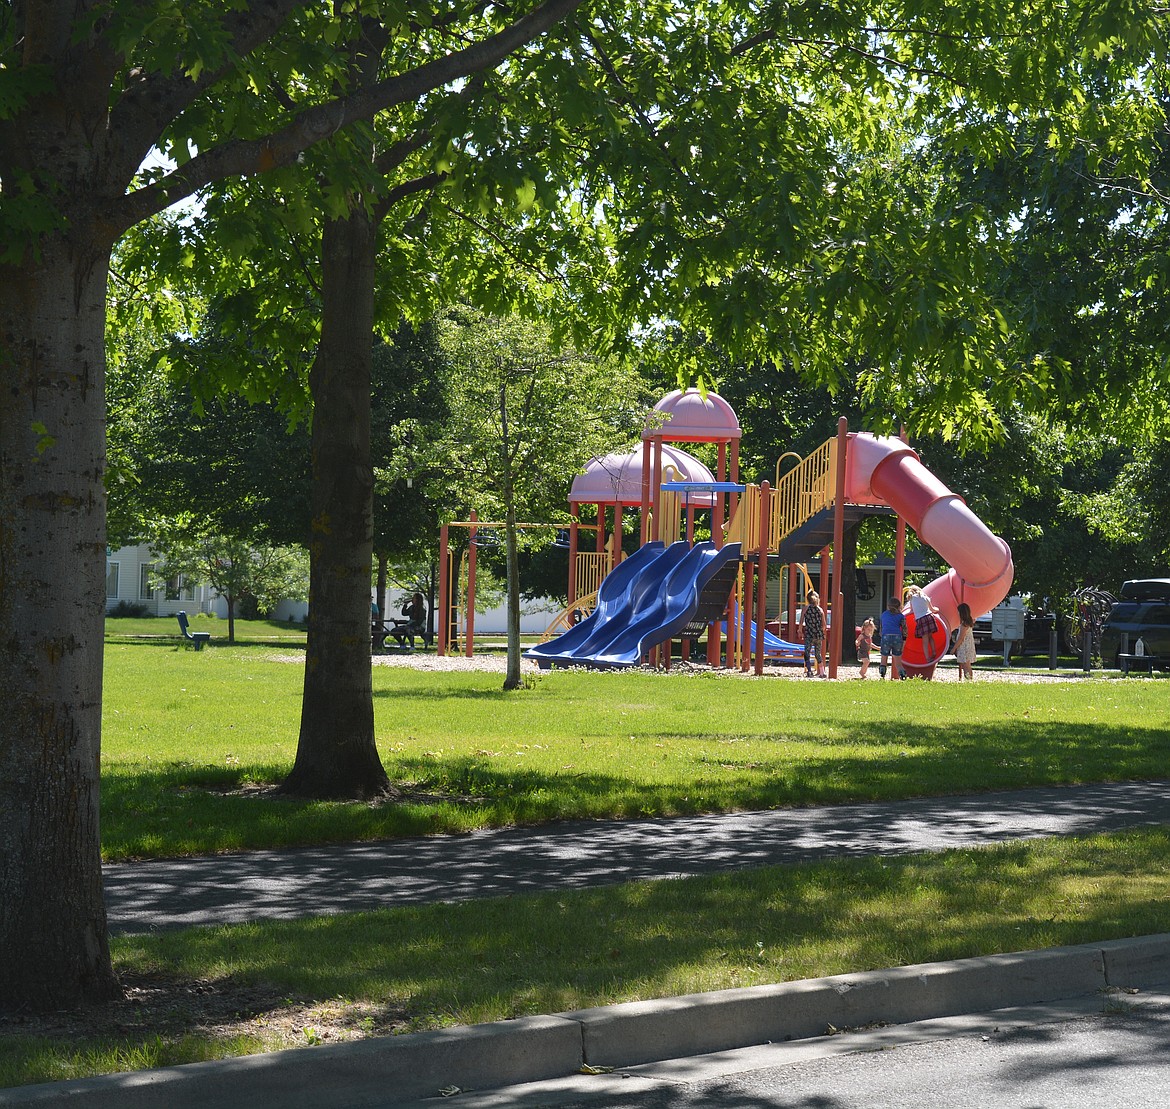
{"points": [[567, 616]]}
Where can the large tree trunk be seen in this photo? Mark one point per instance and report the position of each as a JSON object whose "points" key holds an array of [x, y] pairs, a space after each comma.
{"points": [[53, 949], [336, 753]]}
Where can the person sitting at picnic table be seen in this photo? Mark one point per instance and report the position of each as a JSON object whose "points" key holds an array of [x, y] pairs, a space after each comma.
{"points": [[415, 611]]}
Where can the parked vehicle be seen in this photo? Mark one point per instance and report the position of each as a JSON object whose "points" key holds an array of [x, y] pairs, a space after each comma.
{"points": [[1142, 611]]}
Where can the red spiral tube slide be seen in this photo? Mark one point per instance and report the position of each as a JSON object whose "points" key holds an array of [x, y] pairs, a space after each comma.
{"points": [[886, 471]]}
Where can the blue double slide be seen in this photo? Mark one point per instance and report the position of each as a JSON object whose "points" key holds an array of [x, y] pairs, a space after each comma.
{"points": [[645, 600]]}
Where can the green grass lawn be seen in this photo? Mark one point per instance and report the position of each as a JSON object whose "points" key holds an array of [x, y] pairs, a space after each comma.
{"points": [[423, 967], [189, 734], [129, 628]]}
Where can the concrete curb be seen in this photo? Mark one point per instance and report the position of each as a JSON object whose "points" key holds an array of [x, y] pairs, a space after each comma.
{"points": [[506, 1053]]}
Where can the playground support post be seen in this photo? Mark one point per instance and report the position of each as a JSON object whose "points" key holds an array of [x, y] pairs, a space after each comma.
{"points": [[574, 508], [444, 628], [645, 521], [790, 614], [900, 542], [743, 625], [837, 638], [656, 511], [899, 557], [762, 573]]}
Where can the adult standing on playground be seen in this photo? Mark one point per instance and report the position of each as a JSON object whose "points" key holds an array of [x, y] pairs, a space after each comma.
{"points": [[893, 640], [812, 620]]}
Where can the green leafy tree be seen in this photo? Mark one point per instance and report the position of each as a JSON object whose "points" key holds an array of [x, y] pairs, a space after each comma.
{"points": [[234, 569], [526, 415], [721, 147], [87, 94]]}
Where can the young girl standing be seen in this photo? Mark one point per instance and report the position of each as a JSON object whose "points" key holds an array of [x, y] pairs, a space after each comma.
{"points": [[865, 644], [812, 621], [965, 644]]}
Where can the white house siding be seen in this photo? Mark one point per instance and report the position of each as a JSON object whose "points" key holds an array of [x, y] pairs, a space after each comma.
{"points": [[126, 580], [535, 616]]}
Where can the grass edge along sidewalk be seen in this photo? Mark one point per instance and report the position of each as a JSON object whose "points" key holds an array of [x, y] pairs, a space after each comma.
{"points": [[473, 962], [548, 1047]]}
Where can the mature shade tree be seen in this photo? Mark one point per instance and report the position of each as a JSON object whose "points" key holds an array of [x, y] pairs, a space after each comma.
{"points": [[232, 468], [236, 570], [88, 91]]}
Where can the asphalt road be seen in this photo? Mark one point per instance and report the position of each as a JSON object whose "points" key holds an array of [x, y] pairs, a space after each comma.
{"points": [[1067, 1056], [154, 895]]}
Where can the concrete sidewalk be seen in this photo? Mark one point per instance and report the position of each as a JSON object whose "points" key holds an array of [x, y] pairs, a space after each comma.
{"points": [[312, 881]]}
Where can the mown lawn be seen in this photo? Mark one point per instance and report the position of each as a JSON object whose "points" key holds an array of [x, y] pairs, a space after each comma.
{"points": [[192, 740], [195, 741], [300, 983]]}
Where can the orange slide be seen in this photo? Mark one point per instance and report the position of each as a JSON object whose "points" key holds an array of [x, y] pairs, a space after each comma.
{"points": [[885, 471]]}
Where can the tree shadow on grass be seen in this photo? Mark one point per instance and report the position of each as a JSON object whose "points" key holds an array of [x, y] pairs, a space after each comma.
{"points": [[178, 809]]}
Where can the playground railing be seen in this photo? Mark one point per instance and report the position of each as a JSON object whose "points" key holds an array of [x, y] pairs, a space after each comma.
{"points": [[808, 488], [592, 568], [569, 615]]}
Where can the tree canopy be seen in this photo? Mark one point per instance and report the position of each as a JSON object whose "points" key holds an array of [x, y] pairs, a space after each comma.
{"points": [[760, 172]]}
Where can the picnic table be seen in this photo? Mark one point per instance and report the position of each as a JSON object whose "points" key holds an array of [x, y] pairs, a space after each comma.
{"points": [[403, 631]]}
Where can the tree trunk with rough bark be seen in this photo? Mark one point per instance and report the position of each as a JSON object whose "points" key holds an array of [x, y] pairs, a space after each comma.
{"points": [[336, 753], [53, 949]]}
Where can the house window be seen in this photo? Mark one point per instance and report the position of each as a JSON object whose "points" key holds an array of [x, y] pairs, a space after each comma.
{"points": [[112, 569], [179, 590], [145, 592]]}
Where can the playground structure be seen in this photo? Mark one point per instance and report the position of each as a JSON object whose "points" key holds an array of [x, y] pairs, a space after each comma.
{"points": [[455, 611], [624, 611]]}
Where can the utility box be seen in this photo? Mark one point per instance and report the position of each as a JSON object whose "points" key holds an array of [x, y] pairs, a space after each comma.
{"points": [[1008, 620]]}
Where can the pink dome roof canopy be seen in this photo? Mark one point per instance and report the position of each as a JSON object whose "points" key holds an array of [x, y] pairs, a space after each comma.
{"points": [[689, 417], [617, 478]]}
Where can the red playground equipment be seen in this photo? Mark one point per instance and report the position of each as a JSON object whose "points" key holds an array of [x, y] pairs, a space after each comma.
{"points": [[673, 587]]}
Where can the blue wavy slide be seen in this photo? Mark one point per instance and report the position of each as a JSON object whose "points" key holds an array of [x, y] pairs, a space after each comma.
{"points": [[774, 646], [647, 599]]}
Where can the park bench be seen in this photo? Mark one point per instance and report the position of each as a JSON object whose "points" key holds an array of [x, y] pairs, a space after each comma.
{"points": [[1148, 663], [196, 639]]}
